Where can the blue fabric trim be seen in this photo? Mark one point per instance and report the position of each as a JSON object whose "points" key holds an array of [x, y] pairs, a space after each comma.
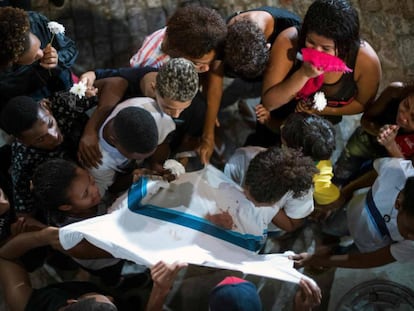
{"points": [[139, 190], [375, 215]]}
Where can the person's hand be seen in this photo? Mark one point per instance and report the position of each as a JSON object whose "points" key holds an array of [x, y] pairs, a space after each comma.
{"points": [[163, 274], [223, 219], [89, 153], [305, 106], [4, 202], [89, 77], [162, 174], [50, 57], [387, 133], [25, 224], [311, 71], [262, 114], [301, 260], [206, 150], [308, 296], [322, 212]]}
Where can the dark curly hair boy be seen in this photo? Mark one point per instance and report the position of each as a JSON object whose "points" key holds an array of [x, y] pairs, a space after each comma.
{"points": [[275, 171]]}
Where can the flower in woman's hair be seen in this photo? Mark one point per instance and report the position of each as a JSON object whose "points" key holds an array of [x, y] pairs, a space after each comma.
{"points": [[56, 28], [319, 101], [79, 89]]}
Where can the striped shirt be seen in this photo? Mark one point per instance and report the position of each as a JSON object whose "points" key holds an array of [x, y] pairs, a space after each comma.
{"points": [[150, 53]]}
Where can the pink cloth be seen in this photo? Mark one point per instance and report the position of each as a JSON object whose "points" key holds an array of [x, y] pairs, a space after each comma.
{"points": [[322, 60]]}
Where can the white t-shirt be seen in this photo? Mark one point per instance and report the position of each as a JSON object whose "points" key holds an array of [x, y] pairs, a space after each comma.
{"points": [[392, 175], [236, 169], [112, 160]]}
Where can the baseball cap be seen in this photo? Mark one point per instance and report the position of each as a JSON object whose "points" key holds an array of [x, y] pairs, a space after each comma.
{"points": [[234, 294]]}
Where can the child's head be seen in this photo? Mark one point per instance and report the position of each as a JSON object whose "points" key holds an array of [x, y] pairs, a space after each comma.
{"points": [[405, 114], [31, 122], [17, 44], [333, 20], [405, 206], [195, 33], [234, 293], [134, 133], [313, 134], [176, 85], [246, 51], [91, 302], [275, 171], [61, 185]]}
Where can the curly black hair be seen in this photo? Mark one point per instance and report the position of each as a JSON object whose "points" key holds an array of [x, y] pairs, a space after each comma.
{"points": [[193, 31], [135, 130], [91, 304], [334, 19], [177, 80], [51, 181], [313, 134], [19, 114], [14, 35], [275, 171], [245, 51]]}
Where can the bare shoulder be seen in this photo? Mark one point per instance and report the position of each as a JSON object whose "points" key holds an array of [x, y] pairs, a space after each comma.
{"points": [[367, 61], [289, 36], [367, 55]]}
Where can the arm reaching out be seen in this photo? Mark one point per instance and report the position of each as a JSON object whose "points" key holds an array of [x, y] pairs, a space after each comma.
{"points": [[163, 276]]}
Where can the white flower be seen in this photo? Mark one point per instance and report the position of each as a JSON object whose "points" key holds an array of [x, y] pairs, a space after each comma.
{"points": [[79, 89], [319, 101], [56, 28], [174, 166]]}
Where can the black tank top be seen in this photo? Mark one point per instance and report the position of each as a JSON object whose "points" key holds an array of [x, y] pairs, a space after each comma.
{"points": [[283, 19]]}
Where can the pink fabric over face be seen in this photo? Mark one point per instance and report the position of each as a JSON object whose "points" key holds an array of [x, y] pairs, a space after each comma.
{"points": [[322, 60]]}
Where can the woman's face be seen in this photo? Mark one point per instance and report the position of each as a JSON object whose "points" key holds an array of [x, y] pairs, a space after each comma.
{"points": [[405, 114], [83, 192], [320, 43], [34, 52]]}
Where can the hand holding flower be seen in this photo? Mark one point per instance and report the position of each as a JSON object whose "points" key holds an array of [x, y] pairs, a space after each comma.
{"points": [[50, 57], [79, 89], [305, 106], [319, 101], [262, 114], [90, 78]]}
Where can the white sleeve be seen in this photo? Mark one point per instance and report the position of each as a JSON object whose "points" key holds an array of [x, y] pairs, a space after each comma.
{"points": [[238, 164], [103, 178], [234, 168], [301, 207], [69, 238], [103, 174], [403, 251]]}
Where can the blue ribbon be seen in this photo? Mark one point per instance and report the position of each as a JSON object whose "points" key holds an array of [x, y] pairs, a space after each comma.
{"points": [[139, 190]]}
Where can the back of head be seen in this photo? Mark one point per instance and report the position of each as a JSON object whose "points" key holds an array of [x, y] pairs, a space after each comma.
{"points": [[313, 134], [51, 181], [275, 171], [90, 305], [408, 194], [177, 80], [193, 31], [245, 51], [334, 19], [135, 130], [234, 294], [14, 35], [19, 114]]}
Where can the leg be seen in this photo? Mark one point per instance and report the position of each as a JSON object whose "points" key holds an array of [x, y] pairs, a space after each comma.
{"points": [[15, 284]]}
